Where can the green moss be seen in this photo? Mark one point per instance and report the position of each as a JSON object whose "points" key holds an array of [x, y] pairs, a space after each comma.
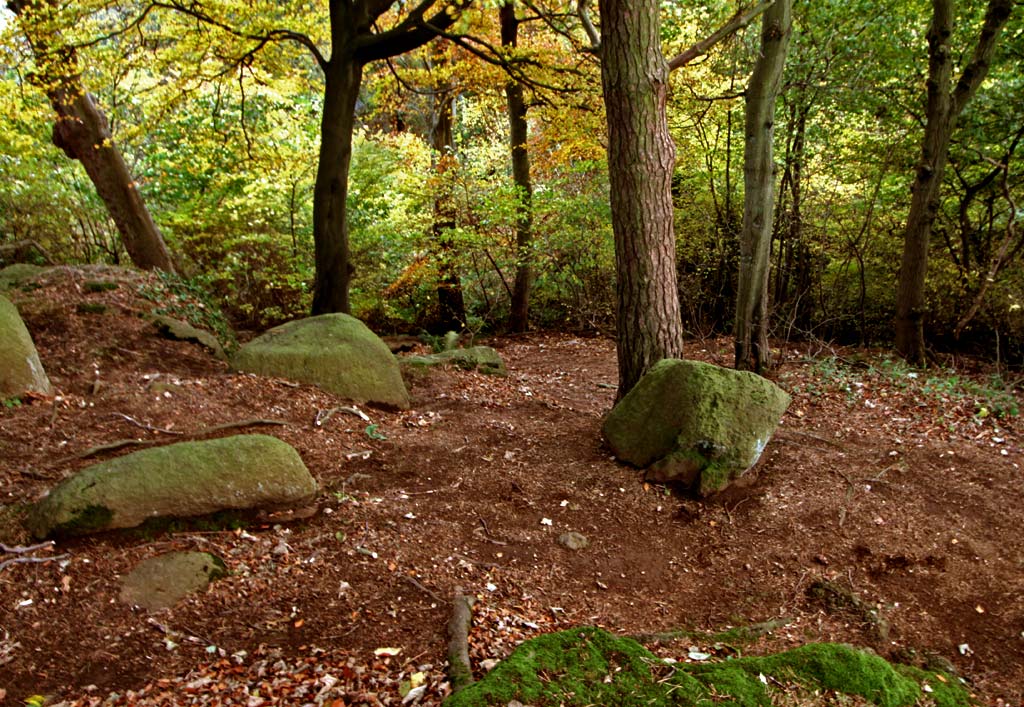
{"points": [[87, 520], [99, 285], [590, 666], [91, 308]]}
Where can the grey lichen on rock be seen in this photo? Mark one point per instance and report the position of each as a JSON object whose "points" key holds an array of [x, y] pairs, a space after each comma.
{"points": [[161, 582], [695, 423], [335, 352], [21, 371], [179, 481], [477, 358]]}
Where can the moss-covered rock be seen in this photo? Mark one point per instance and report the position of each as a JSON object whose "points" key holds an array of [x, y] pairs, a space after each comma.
{"points": [[180, 481], [163, 581], [183, 331], [477, 358], [695, 423], [14, 275], [21, 371], [335, 352], [589, 666]]}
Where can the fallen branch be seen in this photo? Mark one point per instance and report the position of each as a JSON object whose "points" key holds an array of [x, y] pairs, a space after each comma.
{"points": [[148, 428], [322, 416], [22, 552], [122, 443], [419, 585], [21, 560], [460, 672]]}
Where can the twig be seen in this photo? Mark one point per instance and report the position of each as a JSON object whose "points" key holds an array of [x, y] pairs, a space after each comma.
{"points": [[19, 560], [322, 416], [121, 443], [416, 583], [148, 428], [22, 549], [460, 672]]}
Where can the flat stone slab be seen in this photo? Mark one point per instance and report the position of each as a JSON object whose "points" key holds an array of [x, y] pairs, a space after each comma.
{"points": [[21, 371], [335, 352], [181, 480], [161, 582], [476, 358]]}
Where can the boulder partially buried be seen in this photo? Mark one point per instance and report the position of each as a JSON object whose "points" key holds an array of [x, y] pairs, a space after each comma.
{"points": [[335, 352], [179, 481], [164, 580], [21, 371], [695, 423], [476, 358]]}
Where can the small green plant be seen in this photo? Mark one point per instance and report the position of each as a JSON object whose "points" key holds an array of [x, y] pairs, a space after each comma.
{"points": [[12, 402]]}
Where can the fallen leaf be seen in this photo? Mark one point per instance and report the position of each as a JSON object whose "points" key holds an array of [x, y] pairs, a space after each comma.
{"points": [[387, 652]]}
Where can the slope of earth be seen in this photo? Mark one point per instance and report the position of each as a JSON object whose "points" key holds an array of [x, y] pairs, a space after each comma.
{"points": [[885, 513]]}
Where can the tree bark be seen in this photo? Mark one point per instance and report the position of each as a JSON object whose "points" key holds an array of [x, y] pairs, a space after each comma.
{"points": [[518, 133], [641, 159], [943, 108], [751, 325], [355, 42], [83, 133], [343, 75], [450, 301]]}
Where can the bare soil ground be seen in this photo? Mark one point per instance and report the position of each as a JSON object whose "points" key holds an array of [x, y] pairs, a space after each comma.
{"points": [[886, 513]]}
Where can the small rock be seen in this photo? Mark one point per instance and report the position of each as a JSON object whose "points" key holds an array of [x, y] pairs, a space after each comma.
{"points": [[573, 541]]}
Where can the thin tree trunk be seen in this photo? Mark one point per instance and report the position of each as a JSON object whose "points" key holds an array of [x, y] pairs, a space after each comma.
{"points": [[751, 325], [641, 159], [330, 191], [943, 108], [83, 133], [450, 300], [520, 308]]}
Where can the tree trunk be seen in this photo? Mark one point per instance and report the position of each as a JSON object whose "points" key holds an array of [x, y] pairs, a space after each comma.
{"points": [[83, 133], [519, 314], [943, 108], [641, 159], [330, 191], [450, 301], [751, 325]]}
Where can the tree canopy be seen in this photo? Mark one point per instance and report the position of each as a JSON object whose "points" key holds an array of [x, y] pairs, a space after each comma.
{"points": [[284, 152]]}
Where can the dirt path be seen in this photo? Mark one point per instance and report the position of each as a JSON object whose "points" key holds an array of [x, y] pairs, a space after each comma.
{"points": [[884, 514]]}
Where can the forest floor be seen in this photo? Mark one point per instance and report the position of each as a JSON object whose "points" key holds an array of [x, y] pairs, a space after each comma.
{"points": [[886, 513]]}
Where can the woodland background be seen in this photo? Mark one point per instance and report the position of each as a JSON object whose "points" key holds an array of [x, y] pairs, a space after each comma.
{"points": [[221, 133]]}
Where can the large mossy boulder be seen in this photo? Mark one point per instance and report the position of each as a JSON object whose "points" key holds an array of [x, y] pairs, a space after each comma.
{"points": [[177, 481], [476, 358], [335, 352], [589, 666], [21, 371], [695, 423], [162, 581]]}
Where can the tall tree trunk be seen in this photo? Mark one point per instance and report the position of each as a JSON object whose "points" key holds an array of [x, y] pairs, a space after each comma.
{"points": [[450, 301], [83, 133], [519, 314], [641, 159], [330, 191], [751, 325], [943, 108]]}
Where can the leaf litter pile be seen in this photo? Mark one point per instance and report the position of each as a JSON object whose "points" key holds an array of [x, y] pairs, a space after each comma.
{"points": [[885, 513]]}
